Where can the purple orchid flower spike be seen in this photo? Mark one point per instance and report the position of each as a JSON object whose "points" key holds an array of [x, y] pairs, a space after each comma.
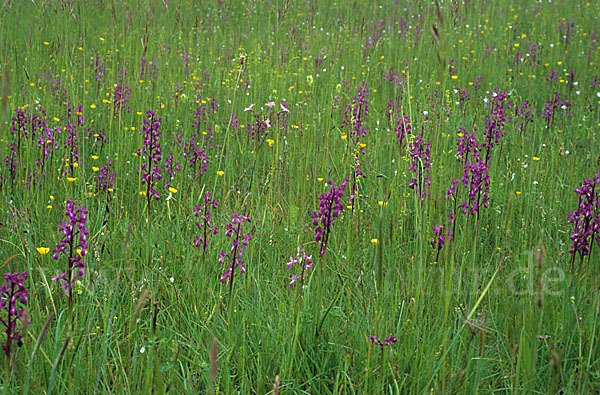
{"points": [[12, 294]]}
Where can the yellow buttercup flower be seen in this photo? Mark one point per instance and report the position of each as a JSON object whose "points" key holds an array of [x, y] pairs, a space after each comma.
{"points": [[43, 250]]}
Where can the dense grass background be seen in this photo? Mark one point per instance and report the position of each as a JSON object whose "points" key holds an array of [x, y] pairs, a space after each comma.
{"points": [[501, 308]]}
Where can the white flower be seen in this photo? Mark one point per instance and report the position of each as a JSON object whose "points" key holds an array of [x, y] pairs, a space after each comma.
{"points": [[142, 350]]}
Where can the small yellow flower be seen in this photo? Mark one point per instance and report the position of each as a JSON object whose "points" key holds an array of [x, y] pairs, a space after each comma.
{"points": [[270, 142], [374, 242], [220, 173], [52, 197], [518, 192], [43, 250], [142, 193], [454, 77], [172, 190], [92, 106], [46, 43], [536, 158], [319, 179], [349, 207], [71, 179], [49, 207], [94, 157], [75, 165], [344, 137], [94, 168], [382, 203]]}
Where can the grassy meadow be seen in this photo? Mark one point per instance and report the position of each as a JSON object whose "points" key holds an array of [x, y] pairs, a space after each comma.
{"points": [[300, 197]]}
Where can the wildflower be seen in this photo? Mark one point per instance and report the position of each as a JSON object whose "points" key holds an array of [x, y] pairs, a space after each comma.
{"points": [[238, 246], [420, 165], [43, 250], [440, 237], [103, 178], [386, 341], [303, 260], [330, 208], [12, 293], [220, 173], [196, 155], [170, 169], [75, 239], [355, 115], [150, 171], [205, 210], [374, 242], [586, 219]]}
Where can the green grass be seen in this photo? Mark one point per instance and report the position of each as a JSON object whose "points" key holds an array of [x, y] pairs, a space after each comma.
{"points": [[499, 309]]}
